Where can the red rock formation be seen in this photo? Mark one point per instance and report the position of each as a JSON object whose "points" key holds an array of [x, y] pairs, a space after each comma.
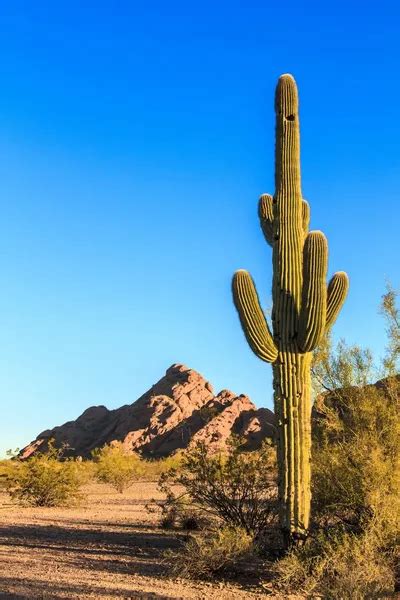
{"points": [[178, 410]]}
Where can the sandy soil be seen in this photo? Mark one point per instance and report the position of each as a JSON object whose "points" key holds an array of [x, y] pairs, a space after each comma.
{"points": [[110, 547]]}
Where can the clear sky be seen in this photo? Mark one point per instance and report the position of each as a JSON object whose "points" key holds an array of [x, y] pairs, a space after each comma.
{"points": [[135, 139]]}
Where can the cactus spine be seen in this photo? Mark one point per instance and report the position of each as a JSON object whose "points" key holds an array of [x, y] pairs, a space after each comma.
{"points": [[304, 307]]}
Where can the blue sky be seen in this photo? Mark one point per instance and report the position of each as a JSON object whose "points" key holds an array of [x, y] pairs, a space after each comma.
{"points": [[135, 139]]}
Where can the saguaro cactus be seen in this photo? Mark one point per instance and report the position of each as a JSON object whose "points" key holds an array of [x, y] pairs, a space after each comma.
{"points": [[303, 308]]}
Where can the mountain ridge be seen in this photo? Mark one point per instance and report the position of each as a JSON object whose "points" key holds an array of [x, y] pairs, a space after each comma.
{"points": [[177, 411]]}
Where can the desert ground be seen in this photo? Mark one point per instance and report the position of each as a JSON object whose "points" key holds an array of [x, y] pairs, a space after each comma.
{"points": [[108, 547]]}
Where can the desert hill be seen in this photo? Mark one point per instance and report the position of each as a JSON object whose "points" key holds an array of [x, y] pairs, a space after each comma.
{"points": [[178, 410]]}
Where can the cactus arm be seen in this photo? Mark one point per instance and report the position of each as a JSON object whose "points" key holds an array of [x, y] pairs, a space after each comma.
{"points": [[337, 292], [254, 324], [313, 306], [265, 213], [305, 216]]}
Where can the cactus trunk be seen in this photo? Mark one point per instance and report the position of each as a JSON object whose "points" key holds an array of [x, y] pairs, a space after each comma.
{"points": [[292, 403], [304, 307]]}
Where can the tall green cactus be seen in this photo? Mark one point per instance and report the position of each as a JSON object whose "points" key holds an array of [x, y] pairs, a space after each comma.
{"points": [[303, 308]]}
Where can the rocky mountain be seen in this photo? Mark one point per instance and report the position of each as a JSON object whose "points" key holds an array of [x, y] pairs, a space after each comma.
{"points": [[178, 410]]}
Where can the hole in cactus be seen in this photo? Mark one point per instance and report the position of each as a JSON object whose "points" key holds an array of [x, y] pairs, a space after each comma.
{"points": [[290, 118]]}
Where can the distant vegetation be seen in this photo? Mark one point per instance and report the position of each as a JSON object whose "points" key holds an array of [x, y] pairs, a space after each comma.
{"points": [[117, 467], [49, 479], [44, 480]]}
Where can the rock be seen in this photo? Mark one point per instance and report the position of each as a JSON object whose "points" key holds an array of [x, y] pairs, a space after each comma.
{"points": [[179, 410]]}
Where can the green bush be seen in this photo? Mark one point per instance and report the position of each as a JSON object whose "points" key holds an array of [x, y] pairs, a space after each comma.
{"points": [[45, 480], [117, 467], [237, 488]]}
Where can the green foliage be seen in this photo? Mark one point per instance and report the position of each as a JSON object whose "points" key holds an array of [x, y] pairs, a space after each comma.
{"points": [[340, 367], [336, 368], [117, 467], [218, 552], [237, 488], [44, 479]]}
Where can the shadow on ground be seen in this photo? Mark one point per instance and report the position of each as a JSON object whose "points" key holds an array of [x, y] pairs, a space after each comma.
{"points": [[99, 552], [33, 589], [91, 541]]}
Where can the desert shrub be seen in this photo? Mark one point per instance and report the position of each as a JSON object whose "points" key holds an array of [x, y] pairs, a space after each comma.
{"points": [[391, 314], [7, 467], [117, 467], [345, 566], [179, 512], [154, 468], [337, 368], [45, 480], [356, 445], [356, 459], [221, 551], [356, 492], [235, 487], [87, 469]]}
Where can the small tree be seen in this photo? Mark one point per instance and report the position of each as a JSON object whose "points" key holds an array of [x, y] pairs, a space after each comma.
{"points": [[236, 487], [117, 467], [45, 479]]}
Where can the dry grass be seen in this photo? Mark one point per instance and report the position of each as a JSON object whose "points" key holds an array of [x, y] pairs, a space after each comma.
{"points": [[224, 550]]}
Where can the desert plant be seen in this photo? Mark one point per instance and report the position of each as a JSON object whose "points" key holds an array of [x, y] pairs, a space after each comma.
{"points": [[155, 467], [235, 487], [336, 368], [391, 314], [117, 467], [342, 565], [356, 459], [180, 513], [7, 466], [304, 307], [220, 551], [45, 480], [356, 451]]}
